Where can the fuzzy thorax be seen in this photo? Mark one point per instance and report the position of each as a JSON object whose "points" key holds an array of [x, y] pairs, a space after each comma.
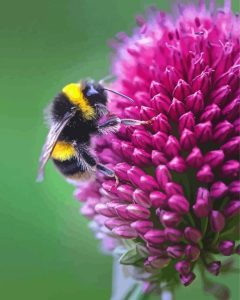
{"points": [[74, 93]]}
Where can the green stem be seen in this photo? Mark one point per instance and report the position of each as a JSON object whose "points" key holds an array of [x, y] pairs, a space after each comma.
{"points": [[215, 239], [191, 220], [204, 225]]}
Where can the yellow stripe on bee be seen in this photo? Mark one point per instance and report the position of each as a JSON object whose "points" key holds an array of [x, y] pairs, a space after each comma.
{"points": [[63, 151], [75, 95]]}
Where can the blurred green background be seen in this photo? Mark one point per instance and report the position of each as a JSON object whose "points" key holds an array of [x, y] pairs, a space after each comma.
{"points": [[47, 250]]}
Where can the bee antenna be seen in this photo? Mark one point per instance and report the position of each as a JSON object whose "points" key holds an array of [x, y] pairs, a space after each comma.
{"points": [[119, 94]]}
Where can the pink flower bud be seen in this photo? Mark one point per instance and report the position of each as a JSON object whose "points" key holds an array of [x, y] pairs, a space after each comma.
{"points": [[102, 209], [211, 113], [205, 174], [186, 121], [159, 140], [155, 236], [183, 267], [137, 211], [141, 157], [142, 198], [115, 222], [202, 206], [214, 267], [217, 221], [232, 147], [222, 131], [142, 226], [160, 123], [110, 186], [158, 262], [172, 188], [125, 192], [127, 149], [232, 209], [195, 158], [236, 125], [182, 90], [169, 218], [88, 211], [195, 102], [163, 175], [134, 175], [161, 103], [176, 109], [156, 88], [171, 77], [219, 95], [202, 82], [175, 251], [203, 132], [177, 164], [158, 199], [214, 158], [173, 235], [142, 139], [187, 139], [231, 168], [187, 279], [125, 231], [116, 145], [192, 252], [172, 146], [192, 235], [132, 112], [179, 204], [227, 78], [231, 111], [218, 190], [121, 211], [147, 113], [121, 170], [226, 247], [234, 188], [158, 158], [148, 183]]}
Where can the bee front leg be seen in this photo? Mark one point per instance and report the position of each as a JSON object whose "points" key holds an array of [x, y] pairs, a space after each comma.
{"points": [[132, 122], [110, 125], [101, 109]]}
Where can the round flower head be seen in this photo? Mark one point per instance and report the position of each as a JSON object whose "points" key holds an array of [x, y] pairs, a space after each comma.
{"points": [[177, 200]]}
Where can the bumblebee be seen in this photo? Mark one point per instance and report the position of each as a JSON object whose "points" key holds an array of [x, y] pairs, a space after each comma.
{"points": [[74, 116]]}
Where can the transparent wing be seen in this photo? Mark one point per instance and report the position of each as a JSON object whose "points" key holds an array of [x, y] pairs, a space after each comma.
{"points": [[51, 140]]}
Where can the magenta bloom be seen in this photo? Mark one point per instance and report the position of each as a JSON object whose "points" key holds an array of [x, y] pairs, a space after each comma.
{"points": [[178, 192]]}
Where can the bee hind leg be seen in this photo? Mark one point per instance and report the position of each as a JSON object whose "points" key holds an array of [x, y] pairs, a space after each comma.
{"points": [[107, 172]]}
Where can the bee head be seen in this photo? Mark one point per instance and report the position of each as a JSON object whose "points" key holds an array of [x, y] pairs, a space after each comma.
{"points": [[94, 93]]}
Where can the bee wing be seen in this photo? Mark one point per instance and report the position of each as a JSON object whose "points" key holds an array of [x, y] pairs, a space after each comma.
{"points": [[51, 140]]}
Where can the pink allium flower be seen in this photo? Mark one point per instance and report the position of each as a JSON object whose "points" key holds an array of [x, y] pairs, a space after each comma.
{"points": [[178, 192]]}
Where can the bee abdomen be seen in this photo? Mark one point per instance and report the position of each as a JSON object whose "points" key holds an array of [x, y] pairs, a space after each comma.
{"points": [[69, 167]]}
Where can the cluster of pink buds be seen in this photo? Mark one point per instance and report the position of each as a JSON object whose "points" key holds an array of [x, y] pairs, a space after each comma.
{"points": [[177, 199]]}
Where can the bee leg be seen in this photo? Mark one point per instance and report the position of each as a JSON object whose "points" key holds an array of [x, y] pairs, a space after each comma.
{"points": [[110, 125], [101, 109], [132, 122], [107, 172]]}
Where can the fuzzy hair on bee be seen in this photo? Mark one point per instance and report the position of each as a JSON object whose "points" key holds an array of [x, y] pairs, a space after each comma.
{"points": [[73, 118]]}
